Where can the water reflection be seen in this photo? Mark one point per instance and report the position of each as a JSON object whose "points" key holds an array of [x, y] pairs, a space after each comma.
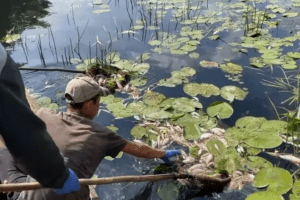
{"points": [[18, 15]]}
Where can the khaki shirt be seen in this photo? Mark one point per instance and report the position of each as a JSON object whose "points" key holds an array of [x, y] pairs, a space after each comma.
{"points": [[83, 142]]}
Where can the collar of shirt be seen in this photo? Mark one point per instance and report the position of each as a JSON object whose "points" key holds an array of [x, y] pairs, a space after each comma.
{"points": [[3, 57]]}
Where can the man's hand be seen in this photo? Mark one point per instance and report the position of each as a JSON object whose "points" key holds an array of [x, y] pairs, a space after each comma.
{"points": [[71, 184], [170, 155]]}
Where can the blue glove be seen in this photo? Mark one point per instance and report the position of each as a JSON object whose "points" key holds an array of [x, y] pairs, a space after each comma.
{"points": [[169, 154], [71, 184]]}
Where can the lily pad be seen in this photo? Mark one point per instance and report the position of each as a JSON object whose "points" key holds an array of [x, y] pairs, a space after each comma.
{"points": [[214, 37], [186, 105], [141, 68], [138, 82], [75, 60], [229, 162], [204, 89], [138, 132], [258, 163], [294, 54], [169, 191], [82, 67], [250, 122], [137, 107], [222, 109], [232, 92], [194, 55], [265, 195], [263, 140], [113, 57], [154, 42], [216, 147], [194, 152], [43, 101], [277, 126], [153, 98], [279, 180], [143, 57], [290, 14], [231, 68], [296, 191], [113, 128], [192, 131], [205, 63]]}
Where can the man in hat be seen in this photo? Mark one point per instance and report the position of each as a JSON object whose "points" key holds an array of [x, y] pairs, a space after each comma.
{"points": [[82, 141]]}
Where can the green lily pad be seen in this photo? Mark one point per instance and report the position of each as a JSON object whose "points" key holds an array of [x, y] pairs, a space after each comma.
{"points": [[120, 154], [192, 131], [188, 48], [43, 101], [169, 191], [222, 109], [231, 68], [137, 27], [296, 191], [277, 126], [258, 163], [113, 128], [152, 27], [138, 82], [229, 162], [143, 57], [214, 37], [186, 71], [204, 89], [186, 105], [290, 14], [113, 57], [216, 147], [53, 106], [101, 11], [156, 115], [141, 68], [265, 195], [170, 82], [293, 54], [279, 180], [205, 63], [82, 67], [232, 92], [154, 42], [264, 140], [137, 107], [153, 98], [138, 132], [194, 152], [250, 122], [194, 55]]}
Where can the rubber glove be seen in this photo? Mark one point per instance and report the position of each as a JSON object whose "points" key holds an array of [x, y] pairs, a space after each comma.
{"points": [[71, 184], [170, 155]]}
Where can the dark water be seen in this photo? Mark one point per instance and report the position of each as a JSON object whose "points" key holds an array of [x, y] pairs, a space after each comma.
{"points": [[70, 20]]}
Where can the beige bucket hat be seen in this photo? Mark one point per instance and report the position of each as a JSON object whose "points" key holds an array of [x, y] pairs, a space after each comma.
{"points": [[82, 89]]}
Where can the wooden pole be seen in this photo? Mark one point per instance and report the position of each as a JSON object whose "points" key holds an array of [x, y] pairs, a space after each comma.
{"points": [[118, 179]]}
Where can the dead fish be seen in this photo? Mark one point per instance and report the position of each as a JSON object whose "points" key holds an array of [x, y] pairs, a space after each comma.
{"points": [[189, 159], [207, 158], [236, 174], [211, 164], [165, 141], [206, 136], [197, 166], [197, 171]]}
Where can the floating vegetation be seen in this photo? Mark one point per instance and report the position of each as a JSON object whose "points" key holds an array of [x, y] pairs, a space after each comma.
{"points": [[231, 68], [178, 77], [205, 89], [205, 63], [221, 109], [232, 92]]}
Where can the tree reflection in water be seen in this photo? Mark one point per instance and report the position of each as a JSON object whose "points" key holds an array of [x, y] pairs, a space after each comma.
{"points": [[16, 15]]}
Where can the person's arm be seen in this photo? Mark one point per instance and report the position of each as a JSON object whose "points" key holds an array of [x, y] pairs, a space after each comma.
{"points": [[25, 135], [142, 150]]}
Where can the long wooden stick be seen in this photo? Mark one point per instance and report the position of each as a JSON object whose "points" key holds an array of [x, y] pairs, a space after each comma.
{"points": [[52, 69], [99, 181]]}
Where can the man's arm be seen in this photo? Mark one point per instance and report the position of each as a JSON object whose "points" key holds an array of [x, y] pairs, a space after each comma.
{"points": [[143, 150]]}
